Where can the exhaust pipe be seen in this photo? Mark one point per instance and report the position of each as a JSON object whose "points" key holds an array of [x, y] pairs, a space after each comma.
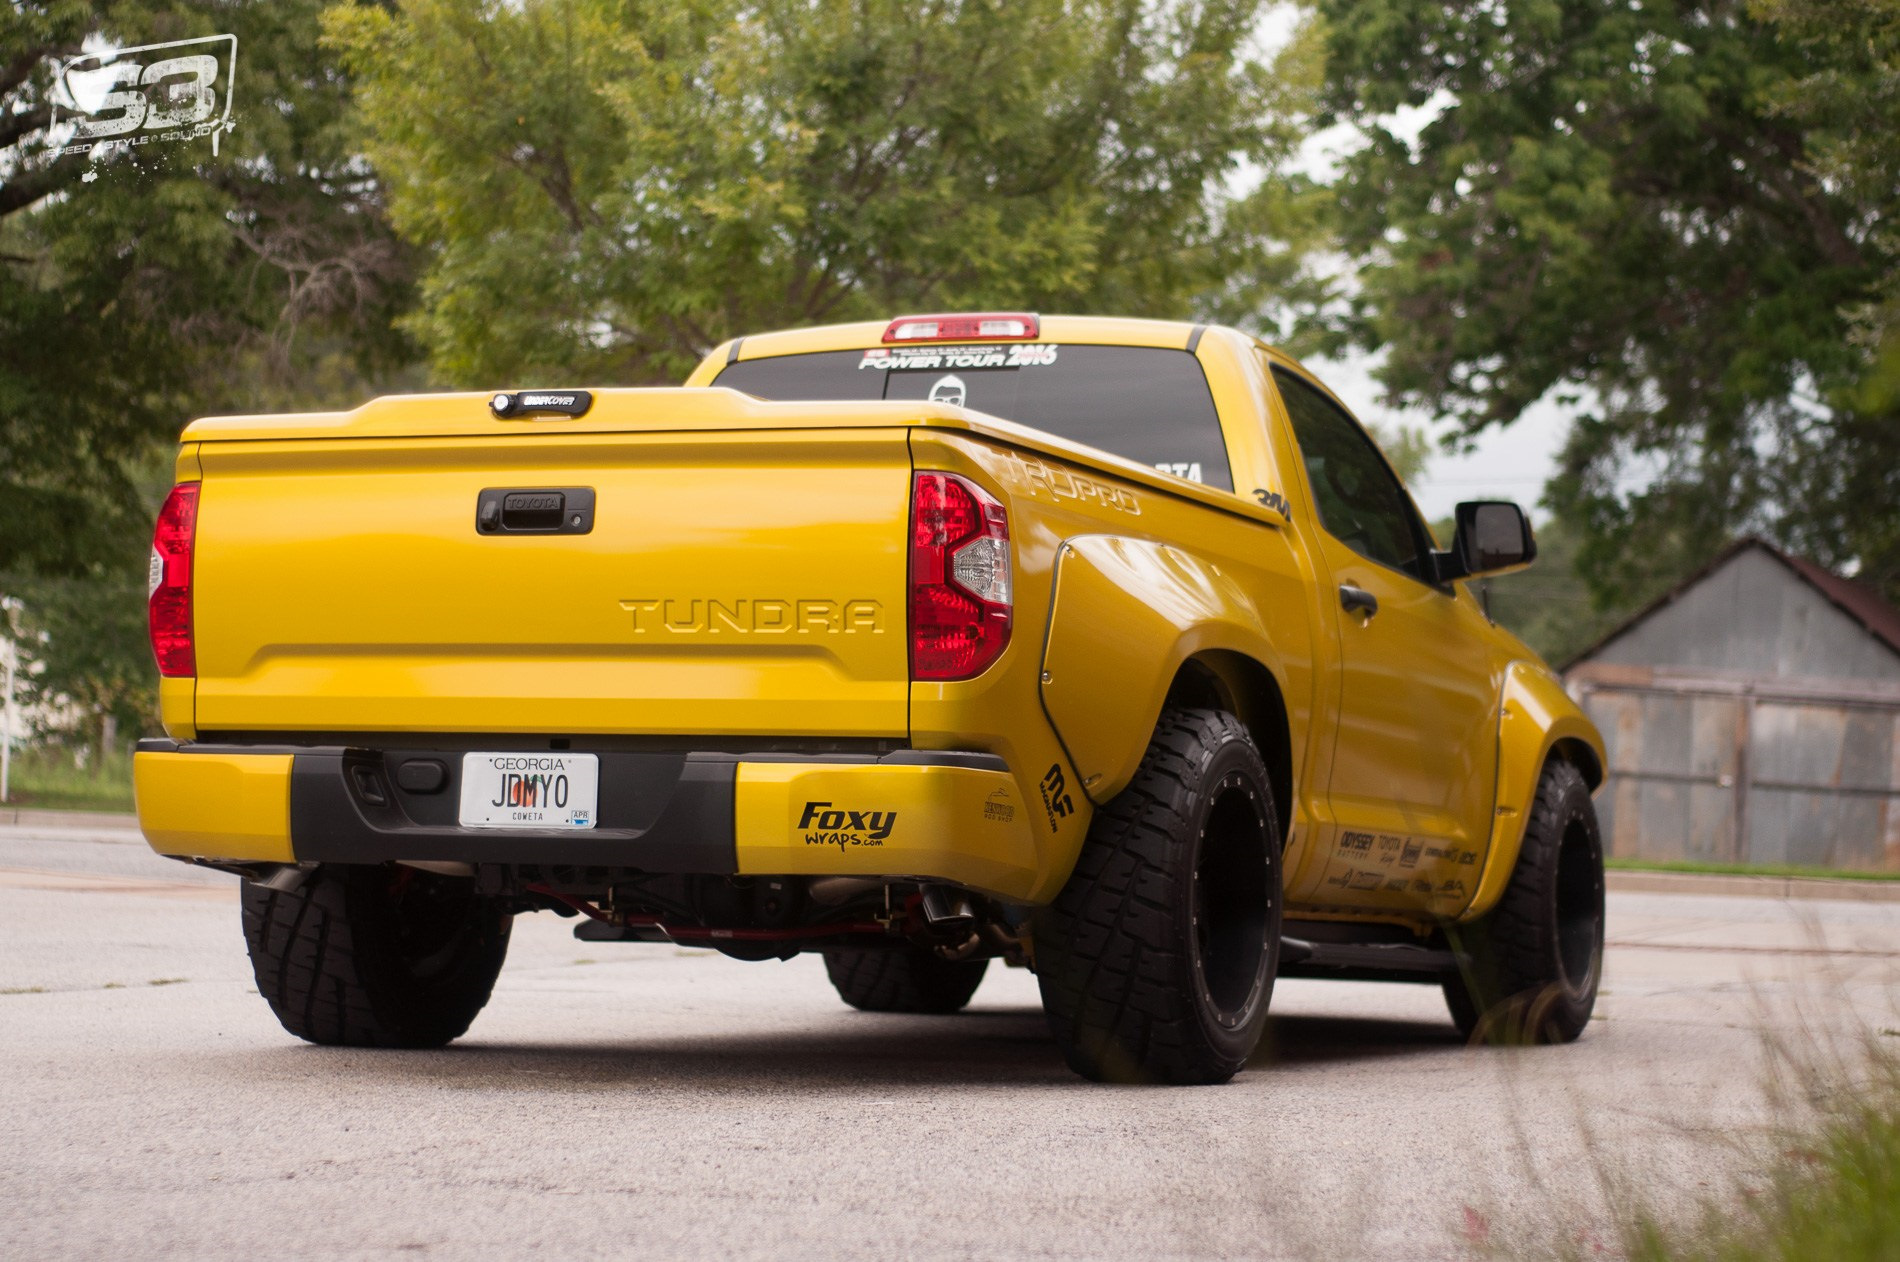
{"points": [[947, 908]]}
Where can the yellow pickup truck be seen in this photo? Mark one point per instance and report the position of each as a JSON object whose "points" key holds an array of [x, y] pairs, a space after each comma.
{"points": [[1110, 648]]}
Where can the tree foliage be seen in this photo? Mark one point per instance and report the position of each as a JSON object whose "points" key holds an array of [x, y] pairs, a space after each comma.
{"points": [[1676, 214], [608, 188], [140, 285]]}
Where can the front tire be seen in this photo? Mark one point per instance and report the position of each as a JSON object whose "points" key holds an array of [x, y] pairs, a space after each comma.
{"points": [[902, 979], [1534, 962], [1157, 959], [375, 956]]}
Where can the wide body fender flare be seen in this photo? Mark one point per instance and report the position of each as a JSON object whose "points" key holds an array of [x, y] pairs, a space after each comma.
{"points": [[1537, 720], [1125, 615]]}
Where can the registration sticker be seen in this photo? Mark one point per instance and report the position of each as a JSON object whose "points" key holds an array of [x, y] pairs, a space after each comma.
{"points": [[530, 790], [946, 358]]}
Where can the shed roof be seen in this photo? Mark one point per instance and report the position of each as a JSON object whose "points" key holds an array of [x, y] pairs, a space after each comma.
{"points": [[1856, 600]]}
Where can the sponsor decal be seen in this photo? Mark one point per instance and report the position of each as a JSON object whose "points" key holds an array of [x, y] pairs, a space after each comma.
{"points": [[824, 824], [1273, 500], [1395, 886], [742, 616], [998, 808], [1413, 849], [945, 358], [1189, 469], [949, 390], [1355, 843], [1055, 797]]}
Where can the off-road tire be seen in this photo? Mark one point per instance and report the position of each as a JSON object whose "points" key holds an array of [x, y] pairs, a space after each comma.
{"points": [[1534, 962], [1157, 959], [902, 979], [375, 956]]}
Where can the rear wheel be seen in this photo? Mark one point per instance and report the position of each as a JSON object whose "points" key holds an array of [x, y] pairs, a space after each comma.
{"points": [[902, 979], [383, 956], [1157, 959], [1534, 962]]}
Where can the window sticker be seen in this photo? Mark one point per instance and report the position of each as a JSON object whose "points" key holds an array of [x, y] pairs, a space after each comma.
{"points": [[1189, 469], [950, 390], [943, 358]]}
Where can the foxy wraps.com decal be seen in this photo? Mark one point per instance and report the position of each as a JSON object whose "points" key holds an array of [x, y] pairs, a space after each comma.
{"points": [[824, 824]]}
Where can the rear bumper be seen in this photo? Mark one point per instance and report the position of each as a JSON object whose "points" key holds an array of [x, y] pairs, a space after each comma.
{"points": [[946, 816]]}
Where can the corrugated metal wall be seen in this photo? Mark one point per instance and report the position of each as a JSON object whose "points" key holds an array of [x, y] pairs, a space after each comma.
{"points": [[1715, 767]]}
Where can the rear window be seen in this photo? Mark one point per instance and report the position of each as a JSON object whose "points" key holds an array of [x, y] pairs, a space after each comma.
{"points": [[1143, 403]]}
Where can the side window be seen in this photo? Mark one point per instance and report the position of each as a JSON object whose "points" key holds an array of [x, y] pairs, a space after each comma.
{"points": [[1360, 502]]}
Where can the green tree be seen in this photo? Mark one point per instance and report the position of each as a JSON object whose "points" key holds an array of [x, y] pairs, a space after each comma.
{"points": [[608, 188], [1638, 208], [140, 286]]}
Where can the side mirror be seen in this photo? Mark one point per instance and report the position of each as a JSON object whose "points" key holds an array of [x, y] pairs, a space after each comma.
{"points": [[1493, 537]]}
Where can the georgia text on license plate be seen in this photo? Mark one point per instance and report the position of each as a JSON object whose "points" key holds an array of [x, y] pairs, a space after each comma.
{"points": [[530, 790]]}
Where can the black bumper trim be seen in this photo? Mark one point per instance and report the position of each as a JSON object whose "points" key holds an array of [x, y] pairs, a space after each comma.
{"points": [[661, 812], [658, 813]]}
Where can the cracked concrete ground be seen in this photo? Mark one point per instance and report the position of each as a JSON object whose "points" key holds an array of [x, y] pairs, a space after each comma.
{"points": [[649, 1101]]}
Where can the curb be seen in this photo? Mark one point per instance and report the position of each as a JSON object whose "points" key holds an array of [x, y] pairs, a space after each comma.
{"points": [[1798, 887], [117, 821]]}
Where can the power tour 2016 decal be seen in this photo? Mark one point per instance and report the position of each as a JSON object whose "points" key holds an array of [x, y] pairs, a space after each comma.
{"points": [[948, 358]]}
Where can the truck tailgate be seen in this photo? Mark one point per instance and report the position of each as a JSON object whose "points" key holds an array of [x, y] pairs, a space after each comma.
{"points": [[731, 584]]}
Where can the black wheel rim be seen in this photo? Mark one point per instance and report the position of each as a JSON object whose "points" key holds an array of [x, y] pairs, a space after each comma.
{"points": [[1233, 906], [431, 918], [1579, 907]]}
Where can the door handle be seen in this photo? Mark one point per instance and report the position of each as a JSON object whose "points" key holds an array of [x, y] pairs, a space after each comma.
{"points": [[1357, 600], [557, 510]]}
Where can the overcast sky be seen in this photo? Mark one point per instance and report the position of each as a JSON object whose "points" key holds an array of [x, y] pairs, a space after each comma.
{"points": [[1513, 462]]}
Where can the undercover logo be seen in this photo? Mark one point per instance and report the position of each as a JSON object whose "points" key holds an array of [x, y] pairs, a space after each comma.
{"points": [[824, 825]]}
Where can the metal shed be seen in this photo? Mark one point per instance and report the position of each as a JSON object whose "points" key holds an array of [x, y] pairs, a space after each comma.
{"points": [[1752, 715]]}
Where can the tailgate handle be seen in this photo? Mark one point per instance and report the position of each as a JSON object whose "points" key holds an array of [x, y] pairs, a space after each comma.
{"points": [[548, 510]]}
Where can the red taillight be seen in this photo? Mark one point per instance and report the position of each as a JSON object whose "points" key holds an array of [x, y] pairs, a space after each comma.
{"points": [[959, 578], [170, 582], [994, 326]]}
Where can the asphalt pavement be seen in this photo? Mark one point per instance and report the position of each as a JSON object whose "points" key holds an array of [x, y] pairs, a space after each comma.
{"points": [[651, 1101]]}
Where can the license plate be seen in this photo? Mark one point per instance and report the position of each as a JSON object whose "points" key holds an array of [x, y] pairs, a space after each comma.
{"points": [[530, 790]]}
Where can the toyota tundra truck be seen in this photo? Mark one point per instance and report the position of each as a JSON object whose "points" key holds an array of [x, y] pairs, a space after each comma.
{"points": [[1109, 648]]}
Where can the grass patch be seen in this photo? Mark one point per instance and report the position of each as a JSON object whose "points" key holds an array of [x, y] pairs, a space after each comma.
{"points": [[1747, 869], [1837, 1197], [49, 779]]}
